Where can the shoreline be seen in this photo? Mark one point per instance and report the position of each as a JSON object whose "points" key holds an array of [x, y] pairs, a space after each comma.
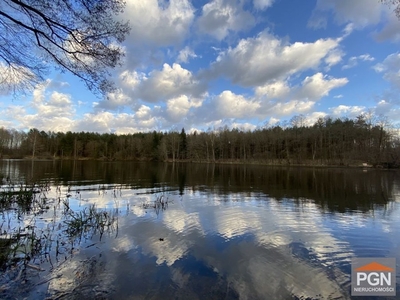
{"points": [[272, 163]]}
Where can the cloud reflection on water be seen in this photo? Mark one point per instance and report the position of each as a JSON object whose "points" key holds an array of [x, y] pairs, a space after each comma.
{"points": [[225, 243], [257, 247]]}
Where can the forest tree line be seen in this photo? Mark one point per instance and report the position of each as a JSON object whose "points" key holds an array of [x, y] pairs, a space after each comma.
{"points": [[328, 142]]}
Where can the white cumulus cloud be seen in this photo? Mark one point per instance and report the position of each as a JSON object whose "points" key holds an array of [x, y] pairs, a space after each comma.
{"points": [[256, 61], [390, 68], [353, 61], [178, 108], [185, 54], [230, 105], [359, 12], [317, 86], [220, 17], [277, 89], [262, 4], [158, 24], [171, 81]]}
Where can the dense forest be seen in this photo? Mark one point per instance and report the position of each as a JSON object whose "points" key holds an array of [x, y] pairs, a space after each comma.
{"points": [[328, 142]]}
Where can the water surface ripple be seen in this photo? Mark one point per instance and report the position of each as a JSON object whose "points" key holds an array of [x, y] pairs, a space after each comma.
{"points": [[222, 232]]}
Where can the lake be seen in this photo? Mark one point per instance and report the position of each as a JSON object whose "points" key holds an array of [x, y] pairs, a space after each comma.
{"points": [[124, 230]]}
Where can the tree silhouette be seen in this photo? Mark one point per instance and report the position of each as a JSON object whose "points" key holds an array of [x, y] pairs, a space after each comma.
{"points": [[78, 36], [395, 3]]}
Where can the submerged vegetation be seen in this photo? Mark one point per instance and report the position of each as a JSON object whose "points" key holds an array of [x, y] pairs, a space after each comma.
{"points": [[41, 226], [20, 242], [24, 235], [75, 229], [365, 139], [38, 233], [88, 220], [160, 204]]}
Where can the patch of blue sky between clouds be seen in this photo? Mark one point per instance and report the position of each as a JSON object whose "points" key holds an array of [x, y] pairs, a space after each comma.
{"points": [[244, 64]]}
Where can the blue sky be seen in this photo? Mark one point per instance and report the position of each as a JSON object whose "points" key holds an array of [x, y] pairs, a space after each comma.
{"points": [[247, 64]]}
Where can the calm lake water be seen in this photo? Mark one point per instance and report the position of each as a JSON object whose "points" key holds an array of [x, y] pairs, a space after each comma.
{"points": [[223, 231]]}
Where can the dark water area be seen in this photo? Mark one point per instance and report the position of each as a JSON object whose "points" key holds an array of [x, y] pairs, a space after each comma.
{"points": [[226, 232]]}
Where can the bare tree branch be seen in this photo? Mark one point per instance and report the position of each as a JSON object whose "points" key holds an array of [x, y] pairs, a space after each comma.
{"points": [[78, 36], [395, 3]]}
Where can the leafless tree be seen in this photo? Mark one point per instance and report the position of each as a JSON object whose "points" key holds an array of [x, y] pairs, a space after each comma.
{"points": [[78, 36], [395, 3]]}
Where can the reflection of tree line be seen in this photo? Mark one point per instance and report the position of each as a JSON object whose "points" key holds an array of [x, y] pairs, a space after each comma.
{"points": [[332, 189], [328, 141]]}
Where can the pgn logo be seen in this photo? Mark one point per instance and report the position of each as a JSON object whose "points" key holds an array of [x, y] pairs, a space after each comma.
{"points": [[373, 277]]}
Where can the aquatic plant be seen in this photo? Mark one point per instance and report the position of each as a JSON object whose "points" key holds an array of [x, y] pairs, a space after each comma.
{"points": [[21, 240], [22, 196], [88, 220], [42, 226], [160, 204]]}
